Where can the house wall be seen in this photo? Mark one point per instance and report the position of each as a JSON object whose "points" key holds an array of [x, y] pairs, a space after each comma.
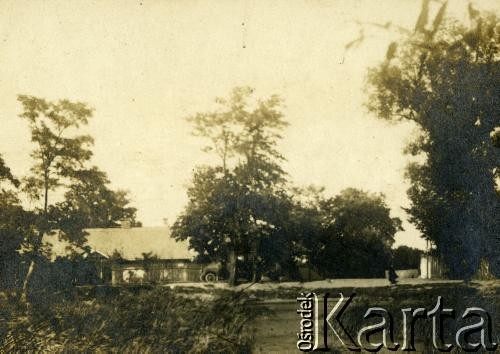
{"points": [[430, 267], [139, 273]]}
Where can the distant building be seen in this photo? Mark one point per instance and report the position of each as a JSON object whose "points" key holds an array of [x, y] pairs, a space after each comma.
{"points": [[131, 255], [431, 266]]}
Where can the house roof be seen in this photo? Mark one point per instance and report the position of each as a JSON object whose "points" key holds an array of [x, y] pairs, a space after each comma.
{"points": [[131, 243]]}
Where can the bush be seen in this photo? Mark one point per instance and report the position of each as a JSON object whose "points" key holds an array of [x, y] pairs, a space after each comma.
{"points": [[407, 258], [157, 321]]}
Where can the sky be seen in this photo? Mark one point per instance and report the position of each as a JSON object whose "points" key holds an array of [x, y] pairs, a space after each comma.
{"points": [[146, 65]]}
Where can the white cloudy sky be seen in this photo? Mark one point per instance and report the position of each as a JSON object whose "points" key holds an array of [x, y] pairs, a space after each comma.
{"points": [[144, 66]]}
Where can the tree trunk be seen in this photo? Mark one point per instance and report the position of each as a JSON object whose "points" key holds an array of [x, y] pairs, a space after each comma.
{"points": [[254, 271], [254, 268], [46, 177], [232, 267], [24, 290], [38, 242], [31, 268], [255, 259]]}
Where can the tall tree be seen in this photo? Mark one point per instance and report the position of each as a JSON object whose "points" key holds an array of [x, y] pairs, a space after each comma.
{"points": [[244, 131], [244, 134], [219, 127], [224, 218], [59, 151], [356, 237], [445, 78]]}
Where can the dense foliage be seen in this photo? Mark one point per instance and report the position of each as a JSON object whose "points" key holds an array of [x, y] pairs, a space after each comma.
{"points": [[243, 207], [60, 157], [445, 77], [225, 215], [16, 225], [356, 236], [407, 258], [235, 208], [127, 321]]}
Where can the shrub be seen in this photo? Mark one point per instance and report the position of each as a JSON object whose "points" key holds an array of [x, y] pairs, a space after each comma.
{"points": [[153, 320]]}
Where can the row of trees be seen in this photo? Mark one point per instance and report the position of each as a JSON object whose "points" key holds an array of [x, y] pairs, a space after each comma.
{"points": [[443, 76], [244, 207], [61, 158]]}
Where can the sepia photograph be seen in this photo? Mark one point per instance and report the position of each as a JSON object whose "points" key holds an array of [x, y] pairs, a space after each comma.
{"points": [[249, 176]]}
